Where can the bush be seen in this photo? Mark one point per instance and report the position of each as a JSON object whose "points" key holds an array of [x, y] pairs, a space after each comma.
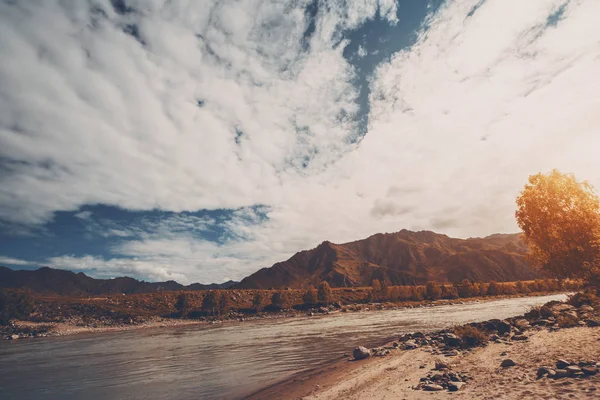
{"points": [[471, 336], [588, 297]]}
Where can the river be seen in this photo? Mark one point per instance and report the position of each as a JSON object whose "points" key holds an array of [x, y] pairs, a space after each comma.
{"points": [[216, 361]]}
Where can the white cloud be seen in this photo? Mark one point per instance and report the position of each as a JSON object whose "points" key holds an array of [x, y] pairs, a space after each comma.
{"points": [[13, 261], [457, 123]]}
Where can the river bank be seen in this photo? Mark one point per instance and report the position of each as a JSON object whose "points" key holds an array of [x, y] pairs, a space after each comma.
{"points": [[77, 325], [216, 361], [572, 334]]}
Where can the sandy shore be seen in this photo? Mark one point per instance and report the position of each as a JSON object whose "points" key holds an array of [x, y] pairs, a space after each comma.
{"points": [[395, 376]]}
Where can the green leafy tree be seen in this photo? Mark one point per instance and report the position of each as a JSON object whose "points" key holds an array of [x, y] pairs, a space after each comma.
{"points": [[325, 294]]}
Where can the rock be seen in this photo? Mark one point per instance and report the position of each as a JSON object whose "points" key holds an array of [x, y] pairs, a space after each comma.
{"points": [[533, 314], [561, 307], [562, 364], [592, 322], [455, 386], [14, 337], [571, 313], [432, 387], [452, 340], [439, 364], [521, 323], [396, 345], [452, 353], [360, 353], [586, 308], [410, 344], [560, 373], [543, 371], [589, 370], [508, 363], [573, 369], [541, 322], [494, 337], [519, 336], [501, 327]]}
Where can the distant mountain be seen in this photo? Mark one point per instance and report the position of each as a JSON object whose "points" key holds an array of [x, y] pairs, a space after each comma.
{"points": [[401, 258], [57, 281]]}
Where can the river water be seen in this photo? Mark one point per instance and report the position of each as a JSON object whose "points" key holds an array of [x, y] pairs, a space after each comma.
{"points": [[216, 361]]}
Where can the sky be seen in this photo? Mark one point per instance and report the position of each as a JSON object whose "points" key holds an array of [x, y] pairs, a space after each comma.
{"points": [[200, 141]]}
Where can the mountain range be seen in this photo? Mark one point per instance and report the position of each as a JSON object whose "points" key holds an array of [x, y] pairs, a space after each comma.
{"points": [[57, 281], [400, 258]]}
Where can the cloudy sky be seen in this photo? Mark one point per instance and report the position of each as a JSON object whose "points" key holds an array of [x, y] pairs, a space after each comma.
{"points": [[203, 140]]}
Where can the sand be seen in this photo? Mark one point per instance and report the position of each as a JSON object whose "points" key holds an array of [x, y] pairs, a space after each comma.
{"points": [[394, 376]]}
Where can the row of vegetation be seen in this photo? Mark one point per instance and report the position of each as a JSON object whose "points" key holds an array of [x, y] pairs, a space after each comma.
{"points": [[219, 302]]}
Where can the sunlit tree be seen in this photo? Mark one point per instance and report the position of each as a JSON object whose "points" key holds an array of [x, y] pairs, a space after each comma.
{"points": [[324, 294], [560, 219]]}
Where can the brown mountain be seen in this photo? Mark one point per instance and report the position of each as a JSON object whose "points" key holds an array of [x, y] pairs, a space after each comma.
{"points": [[57, 281], [401, 258]]}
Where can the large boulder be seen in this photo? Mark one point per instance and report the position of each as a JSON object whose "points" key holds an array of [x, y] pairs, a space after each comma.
{"points": [[360, 353]]}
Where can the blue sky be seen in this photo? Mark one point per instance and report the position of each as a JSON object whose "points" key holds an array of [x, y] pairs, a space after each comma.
{"points": [[202, 141]]}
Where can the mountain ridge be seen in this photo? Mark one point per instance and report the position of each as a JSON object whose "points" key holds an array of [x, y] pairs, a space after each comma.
{"points": [[46, 280], [400, 258]]}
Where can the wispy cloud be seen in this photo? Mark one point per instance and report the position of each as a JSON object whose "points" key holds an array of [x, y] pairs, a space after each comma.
{"points": [[182, 107], [13, 261]]}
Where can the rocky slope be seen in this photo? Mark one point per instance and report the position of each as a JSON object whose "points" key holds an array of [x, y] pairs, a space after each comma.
{"points": [[401, 258], [56, 281]]}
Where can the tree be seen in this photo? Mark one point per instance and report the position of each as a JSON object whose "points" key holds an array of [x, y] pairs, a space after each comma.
{"points": [[223, 303], [310, 297], [211, 301], [324, 293], [4, 308], [494, 289], [182, 305], [560, 219], [257, 301], [279, 299], [521, 287], [433, 291], [466, 289]]}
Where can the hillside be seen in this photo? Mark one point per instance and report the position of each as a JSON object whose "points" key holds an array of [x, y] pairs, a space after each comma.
{"points": [[56, 281], [401, 258]]}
